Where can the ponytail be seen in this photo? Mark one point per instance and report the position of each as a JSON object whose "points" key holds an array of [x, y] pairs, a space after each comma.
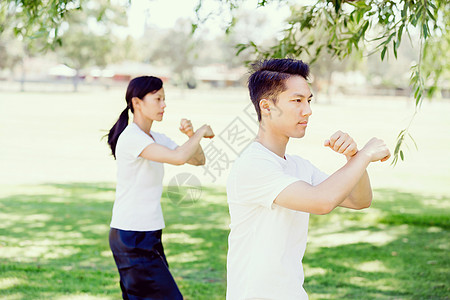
{"points": [[138, 87], [117, 129]]}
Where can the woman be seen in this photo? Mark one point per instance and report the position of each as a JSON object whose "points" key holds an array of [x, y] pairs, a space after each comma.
{"points": [[137, 219]]}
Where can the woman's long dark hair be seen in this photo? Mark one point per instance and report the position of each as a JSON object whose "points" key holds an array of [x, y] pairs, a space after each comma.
{"points": [[138, 87]]}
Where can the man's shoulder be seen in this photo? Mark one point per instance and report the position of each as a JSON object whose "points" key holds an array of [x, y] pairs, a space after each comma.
{"points": [[251, 156], [299, 160]]}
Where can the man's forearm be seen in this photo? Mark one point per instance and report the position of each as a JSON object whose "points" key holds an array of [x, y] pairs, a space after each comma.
{"points": [[361, 194]]}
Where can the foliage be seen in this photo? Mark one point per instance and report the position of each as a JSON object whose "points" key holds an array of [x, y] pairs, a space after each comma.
{"points": [[37, 18], [179, 49], [86, 46], [59, 232], [41, 25], [341, 27], [11, 51], [42, 19]]}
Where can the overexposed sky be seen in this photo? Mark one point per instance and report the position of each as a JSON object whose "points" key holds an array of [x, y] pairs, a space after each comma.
{"points": [[164, 14]]}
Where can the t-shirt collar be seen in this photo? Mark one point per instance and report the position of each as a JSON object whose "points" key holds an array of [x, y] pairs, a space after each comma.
{"points": [[283, 161]]}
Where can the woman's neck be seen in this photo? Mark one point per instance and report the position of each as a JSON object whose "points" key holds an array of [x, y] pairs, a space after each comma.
{"points": [[144, 124]]}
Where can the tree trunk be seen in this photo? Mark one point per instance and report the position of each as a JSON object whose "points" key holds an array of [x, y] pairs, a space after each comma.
{"points": [[76, 80], [22, 77]]}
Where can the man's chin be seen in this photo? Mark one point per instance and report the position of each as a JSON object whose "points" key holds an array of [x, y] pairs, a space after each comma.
{"points": [[298, 135]]}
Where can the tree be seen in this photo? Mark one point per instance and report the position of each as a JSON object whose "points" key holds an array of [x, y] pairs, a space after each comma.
{"points": [[42, 19], [83, 46], [40, 25], [179, 49], [375, 26], [11, 51], [37, 18]]}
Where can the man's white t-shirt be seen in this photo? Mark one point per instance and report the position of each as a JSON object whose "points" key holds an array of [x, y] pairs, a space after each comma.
{"points": [[139, 182], [267, 242]]}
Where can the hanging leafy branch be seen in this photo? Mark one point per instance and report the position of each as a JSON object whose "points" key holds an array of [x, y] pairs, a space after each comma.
{"points": [[37, 19], [42, 19], [341, 27]]}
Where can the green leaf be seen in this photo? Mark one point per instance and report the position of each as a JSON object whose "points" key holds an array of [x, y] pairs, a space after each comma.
{"points": [[416, 93], [364, 29], [194, 27], [337, 5], [383, 53], [412, 139], [425, 30], [419, 97], [400, 34], [395, 49], [401, 155], [240, 48], [328, 16], [359, 15], [404, 11], [431, 92], [431, 15]]}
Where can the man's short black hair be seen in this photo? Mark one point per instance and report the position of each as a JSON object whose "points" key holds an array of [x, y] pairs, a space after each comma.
{"points": [[267, 79]]}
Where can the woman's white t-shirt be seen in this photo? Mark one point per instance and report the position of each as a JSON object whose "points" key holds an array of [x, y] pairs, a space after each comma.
{"points": [[139, 182]]}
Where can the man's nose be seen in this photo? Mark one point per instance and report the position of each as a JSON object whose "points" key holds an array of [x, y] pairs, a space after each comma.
{"points": [[307, 110]]}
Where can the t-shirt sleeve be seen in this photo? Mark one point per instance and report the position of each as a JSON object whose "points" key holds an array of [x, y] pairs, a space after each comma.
{"points": [[134, 143], [168, 142], [260, 181], [317, 176]]}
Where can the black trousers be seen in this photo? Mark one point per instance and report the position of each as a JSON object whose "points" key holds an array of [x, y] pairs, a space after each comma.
{"points": [[143, 268]]}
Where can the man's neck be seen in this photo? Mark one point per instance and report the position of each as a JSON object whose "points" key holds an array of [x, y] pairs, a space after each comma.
{"points": [[274, 142]]}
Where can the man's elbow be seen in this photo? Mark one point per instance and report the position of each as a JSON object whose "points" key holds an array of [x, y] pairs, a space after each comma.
{"points": [[324, 209], [365, 203]]}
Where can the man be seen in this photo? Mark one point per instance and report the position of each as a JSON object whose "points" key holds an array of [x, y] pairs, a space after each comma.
{"points": [[271, 194]]}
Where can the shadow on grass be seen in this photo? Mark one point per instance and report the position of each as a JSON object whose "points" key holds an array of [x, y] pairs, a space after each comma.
{"points": [[396, 249], [54, 244]]}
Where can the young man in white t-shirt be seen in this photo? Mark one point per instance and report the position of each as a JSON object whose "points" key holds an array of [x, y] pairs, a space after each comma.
{"points": [[271, 194]]}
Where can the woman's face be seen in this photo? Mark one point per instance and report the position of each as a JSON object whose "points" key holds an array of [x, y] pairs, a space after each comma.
{"points": [[152, 105]]}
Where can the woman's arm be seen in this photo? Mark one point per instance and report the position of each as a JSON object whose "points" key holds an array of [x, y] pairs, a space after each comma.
{"points": [[198, 159], [181, 154]]}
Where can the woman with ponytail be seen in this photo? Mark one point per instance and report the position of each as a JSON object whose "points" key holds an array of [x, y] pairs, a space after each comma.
{"points": [[137, 219]]}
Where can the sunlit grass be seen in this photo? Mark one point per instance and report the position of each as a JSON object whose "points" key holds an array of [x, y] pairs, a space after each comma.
{"points": [[54, 245]]}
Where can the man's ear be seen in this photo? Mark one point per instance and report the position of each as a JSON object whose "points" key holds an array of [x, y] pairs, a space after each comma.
{"points": [[264, 107]]}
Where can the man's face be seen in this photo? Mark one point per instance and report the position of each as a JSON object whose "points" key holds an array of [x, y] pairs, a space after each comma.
{"points": [[289, 116]]}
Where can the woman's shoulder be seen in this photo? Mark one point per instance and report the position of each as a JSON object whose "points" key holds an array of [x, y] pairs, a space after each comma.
{"points": [[158, 134], [131, 134], [163, 139]]}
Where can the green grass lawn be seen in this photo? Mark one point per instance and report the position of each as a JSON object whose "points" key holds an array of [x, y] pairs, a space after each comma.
{"points": [[54, 245]]}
